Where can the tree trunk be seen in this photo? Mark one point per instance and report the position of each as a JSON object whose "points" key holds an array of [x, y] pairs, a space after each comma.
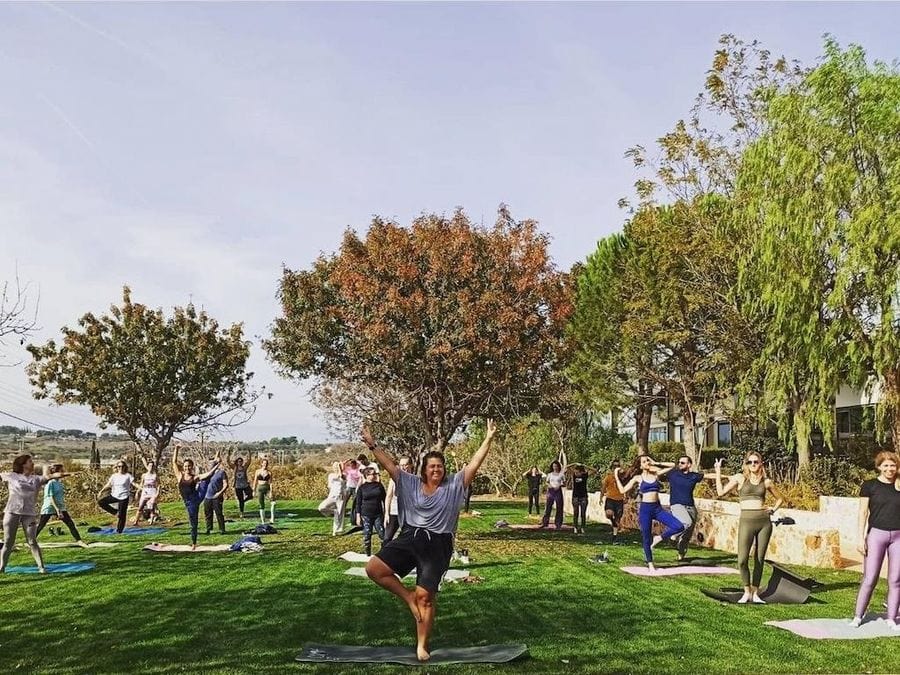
{"points": [[890, 399], [642, 414], [802, 430], [689, 436]]}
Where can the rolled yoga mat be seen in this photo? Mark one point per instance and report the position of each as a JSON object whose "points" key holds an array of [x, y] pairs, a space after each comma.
{"points": [[137, 531], [873, 626], [639, 571], [54, 568], [784, 588], [186, 548], [407, 655]]}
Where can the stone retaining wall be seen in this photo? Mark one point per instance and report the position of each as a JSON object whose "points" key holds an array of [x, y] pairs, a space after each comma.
{"points": [[823, 538]]}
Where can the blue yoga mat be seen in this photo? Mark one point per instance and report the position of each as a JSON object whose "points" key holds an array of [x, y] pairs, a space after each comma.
{"points": [[132, 530], [55, 568]]}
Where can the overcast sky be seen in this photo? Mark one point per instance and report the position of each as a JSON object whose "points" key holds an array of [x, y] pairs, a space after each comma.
{"points": [[189, 150]]}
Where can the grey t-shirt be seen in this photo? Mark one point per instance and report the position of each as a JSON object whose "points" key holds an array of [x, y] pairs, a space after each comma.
{"points": [[437, 512]]}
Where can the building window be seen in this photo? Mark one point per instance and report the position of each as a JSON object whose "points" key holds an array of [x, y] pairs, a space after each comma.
{"points": [[723, 435], [679, 434], [658, 434], [855, 420]]}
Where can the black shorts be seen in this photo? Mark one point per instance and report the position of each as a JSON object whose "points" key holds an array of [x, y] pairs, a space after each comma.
{"points": [[616, 506], [429, 553]]}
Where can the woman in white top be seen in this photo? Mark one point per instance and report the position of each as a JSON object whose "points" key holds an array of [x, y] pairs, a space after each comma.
{"points": [[333, 504], [21, 508], [119, 485], [149, 493], [392, 517], [556, 478]]}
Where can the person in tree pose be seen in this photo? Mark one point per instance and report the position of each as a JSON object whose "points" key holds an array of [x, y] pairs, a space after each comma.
{"points": [[149, 484], [392, 517], [429, 513], [55, 504], [534, 478], [580, 475], [682, 481], [263, 487], [647, 483], [879, 532], [119, 485], [21, 508], [613, 500], [242, 490], [556, 478], [755, 524]]}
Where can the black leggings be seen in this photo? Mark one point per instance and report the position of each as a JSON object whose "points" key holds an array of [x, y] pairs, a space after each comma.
{"points": [[63, 516], [534, 498], [392, 527], [121, 509], [210, 507], [244, 495]]}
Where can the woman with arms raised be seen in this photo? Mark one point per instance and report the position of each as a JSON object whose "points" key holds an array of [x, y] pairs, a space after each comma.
{"points": [[429, 511]]}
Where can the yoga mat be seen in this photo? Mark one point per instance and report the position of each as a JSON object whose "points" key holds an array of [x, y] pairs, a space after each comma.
{"points": [[407, 655], [784, 588], [186, 548], [450, 575], [56, 568], [677, 571], [72, 544], [353, 556], [137, 531], [873, 626], [549, 528]]}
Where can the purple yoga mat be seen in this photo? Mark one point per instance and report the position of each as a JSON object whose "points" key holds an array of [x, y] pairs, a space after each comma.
{"points": [[873, 626], [677, 571]]}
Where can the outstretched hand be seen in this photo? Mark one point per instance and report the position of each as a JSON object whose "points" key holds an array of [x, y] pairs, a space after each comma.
{"points": [[368, 438], [491, 428], [718, 464]]}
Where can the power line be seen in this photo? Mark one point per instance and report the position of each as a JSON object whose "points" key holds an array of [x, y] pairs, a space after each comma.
{"points": [[34, 424], [67, 419]]}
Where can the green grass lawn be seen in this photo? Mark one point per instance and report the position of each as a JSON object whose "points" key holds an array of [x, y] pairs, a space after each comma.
{"points": [[161, 613]]}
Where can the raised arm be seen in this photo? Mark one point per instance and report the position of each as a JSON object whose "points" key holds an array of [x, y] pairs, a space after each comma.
{"points": [[624, 489], [475, 463], [663, 468], [383, 458], [732, 483], [176, 466]]}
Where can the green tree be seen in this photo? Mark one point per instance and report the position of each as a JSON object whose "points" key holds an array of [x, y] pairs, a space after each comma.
{"points": [[822, 189], [150, 375], [462, 320], [607, 368]]}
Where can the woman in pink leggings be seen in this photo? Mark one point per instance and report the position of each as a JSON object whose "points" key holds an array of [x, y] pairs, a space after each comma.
{"points": [[879, 528]]}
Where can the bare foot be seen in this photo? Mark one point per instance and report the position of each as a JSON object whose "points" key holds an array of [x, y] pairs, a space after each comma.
{"points": [[82, 544], [422, 653], [656, 540], [193, 547], [745, 598], [42, 570]]}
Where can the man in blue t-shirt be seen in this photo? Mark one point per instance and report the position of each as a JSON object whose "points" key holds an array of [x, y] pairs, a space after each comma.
{"points": [[682, 482], [214, 498]]}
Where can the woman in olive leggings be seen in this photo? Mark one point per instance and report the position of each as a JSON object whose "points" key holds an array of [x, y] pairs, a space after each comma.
{"points": [[755, 525]]}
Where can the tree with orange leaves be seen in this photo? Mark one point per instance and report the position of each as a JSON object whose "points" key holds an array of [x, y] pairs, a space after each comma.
{"points": [[463, 320]]}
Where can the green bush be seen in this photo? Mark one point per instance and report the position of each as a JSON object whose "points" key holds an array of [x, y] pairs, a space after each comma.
{"points": [[665, 451]]}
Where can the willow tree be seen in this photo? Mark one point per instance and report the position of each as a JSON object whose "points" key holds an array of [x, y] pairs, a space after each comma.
{"points": [[822, 187], [150, 375], [459, 319]]}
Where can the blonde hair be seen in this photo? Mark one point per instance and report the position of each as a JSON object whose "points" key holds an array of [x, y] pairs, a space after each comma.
{"points": [[762, 464]]}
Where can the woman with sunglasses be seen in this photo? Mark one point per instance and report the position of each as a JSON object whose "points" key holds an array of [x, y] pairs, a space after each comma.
{"points": [[879, 531], [119, 486], [647, 483], [755, 524]]}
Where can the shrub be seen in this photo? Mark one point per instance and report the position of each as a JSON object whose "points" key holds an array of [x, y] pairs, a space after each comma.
{"points": [[666, 451]]}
